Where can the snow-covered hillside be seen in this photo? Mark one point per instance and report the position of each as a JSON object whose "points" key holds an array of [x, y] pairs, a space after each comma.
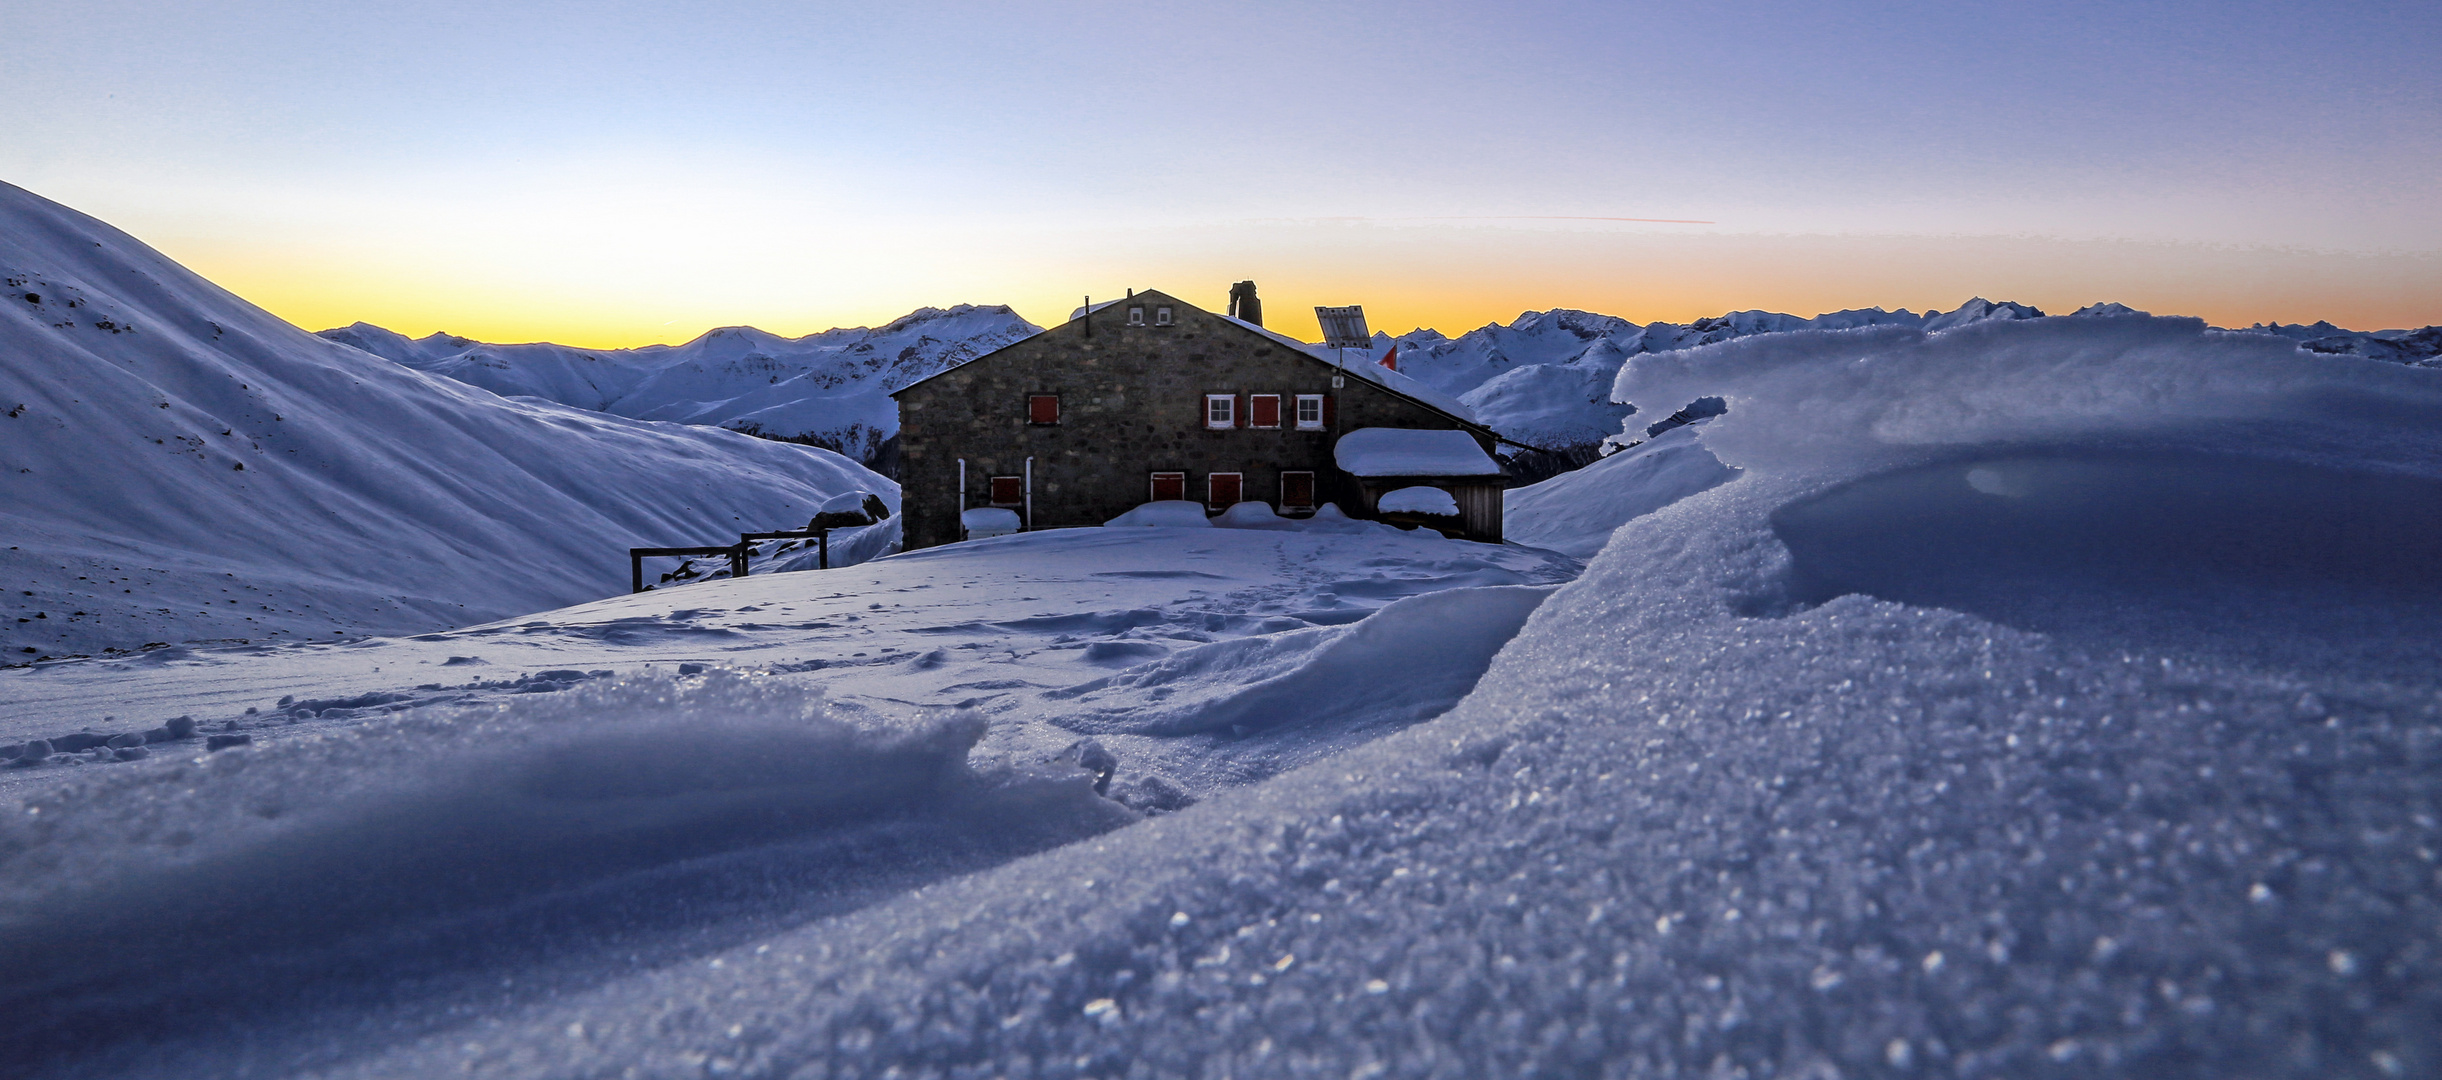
{"points": [[830, 388], [177, 464]]}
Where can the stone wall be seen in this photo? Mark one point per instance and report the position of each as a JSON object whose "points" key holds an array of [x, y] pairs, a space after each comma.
{"points": [[1131, 404]]}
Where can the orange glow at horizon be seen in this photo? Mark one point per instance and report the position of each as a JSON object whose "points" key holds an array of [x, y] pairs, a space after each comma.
{"points": [[1450, 281]]}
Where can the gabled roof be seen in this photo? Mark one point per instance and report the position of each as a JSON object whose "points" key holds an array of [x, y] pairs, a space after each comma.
{"points": [[1374, 373], [1391, 382]]}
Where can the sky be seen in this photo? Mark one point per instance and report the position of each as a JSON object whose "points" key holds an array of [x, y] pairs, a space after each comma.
{"points": [[621, 173]]}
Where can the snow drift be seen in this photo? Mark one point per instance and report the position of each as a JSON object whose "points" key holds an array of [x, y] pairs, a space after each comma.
{"points": [[1575, 513], [157, 885], [178, 464], [1324, 677], [1544, 378]]}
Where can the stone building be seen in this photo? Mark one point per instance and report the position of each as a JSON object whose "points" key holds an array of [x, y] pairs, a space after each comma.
{"points": [[1150, 398]]}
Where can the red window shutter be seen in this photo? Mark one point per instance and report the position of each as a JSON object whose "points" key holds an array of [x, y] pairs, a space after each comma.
{"points": [[1296, 490], [1263, 410], [1008, 490], [1330, 414], [1043, 408], [1169, 486], [1225, 489], [1238, 412]]}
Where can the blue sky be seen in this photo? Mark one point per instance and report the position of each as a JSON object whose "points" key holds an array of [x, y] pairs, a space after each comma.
{"points": [[616, 173]]}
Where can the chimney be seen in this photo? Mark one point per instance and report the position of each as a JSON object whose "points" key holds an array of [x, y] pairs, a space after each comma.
{"points": [[1243, 305]]}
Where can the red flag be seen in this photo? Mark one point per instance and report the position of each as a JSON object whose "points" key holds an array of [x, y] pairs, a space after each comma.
{"points": [[1391, 359]]}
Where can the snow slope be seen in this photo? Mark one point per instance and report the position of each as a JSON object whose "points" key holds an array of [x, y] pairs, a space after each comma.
{"points": [[831, 388], [177, 465]]}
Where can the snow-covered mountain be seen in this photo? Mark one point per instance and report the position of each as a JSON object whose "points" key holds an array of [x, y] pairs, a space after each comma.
{"points": [[2418, 348], [177, 464], [831, 389]]}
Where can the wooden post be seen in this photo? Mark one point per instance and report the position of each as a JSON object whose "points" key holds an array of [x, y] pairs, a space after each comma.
{"points": [[822, 542], [635, 571]]}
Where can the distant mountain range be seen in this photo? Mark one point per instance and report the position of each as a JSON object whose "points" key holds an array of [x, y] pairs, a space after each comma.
{"points": [[829, 389], [1543, 380]]}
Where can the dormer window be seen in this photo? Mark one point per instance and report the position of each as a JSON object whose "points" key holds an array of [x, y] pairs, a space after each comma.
{"points": [[1161, 316], [1136, 316]]}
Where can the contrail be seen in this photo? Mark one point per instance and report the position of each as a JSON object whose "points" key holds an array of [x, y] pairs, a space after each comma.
{"points": [[1526, 217], [1554, 217]]}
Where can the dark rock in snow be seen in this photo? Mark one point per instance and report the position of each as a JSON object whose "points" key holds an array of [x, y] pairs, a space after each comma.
{"points": [[1089, 754], [223, 742]]}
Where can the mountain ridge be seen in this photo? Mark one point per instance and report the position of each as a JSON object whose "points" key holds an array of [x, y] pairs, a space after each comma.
{"points": [[177, 465], [828, 389]]}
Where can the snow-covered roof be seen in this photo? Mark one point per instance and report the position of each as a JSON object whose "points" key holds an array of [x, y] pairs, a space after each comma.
{"points": [[1412, 452], [1363, 367]]}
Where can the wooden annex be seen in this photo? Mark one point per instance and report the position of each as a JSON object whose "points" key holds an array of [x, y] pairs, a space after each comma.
{"points": [[1150, 398]]}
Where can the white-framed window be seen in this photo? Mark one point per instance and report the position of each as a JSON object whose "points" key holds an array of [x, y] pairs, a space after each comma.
{"points": [[1161, 316], [1309, 412], [1136, 316], [1220, 411]]}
